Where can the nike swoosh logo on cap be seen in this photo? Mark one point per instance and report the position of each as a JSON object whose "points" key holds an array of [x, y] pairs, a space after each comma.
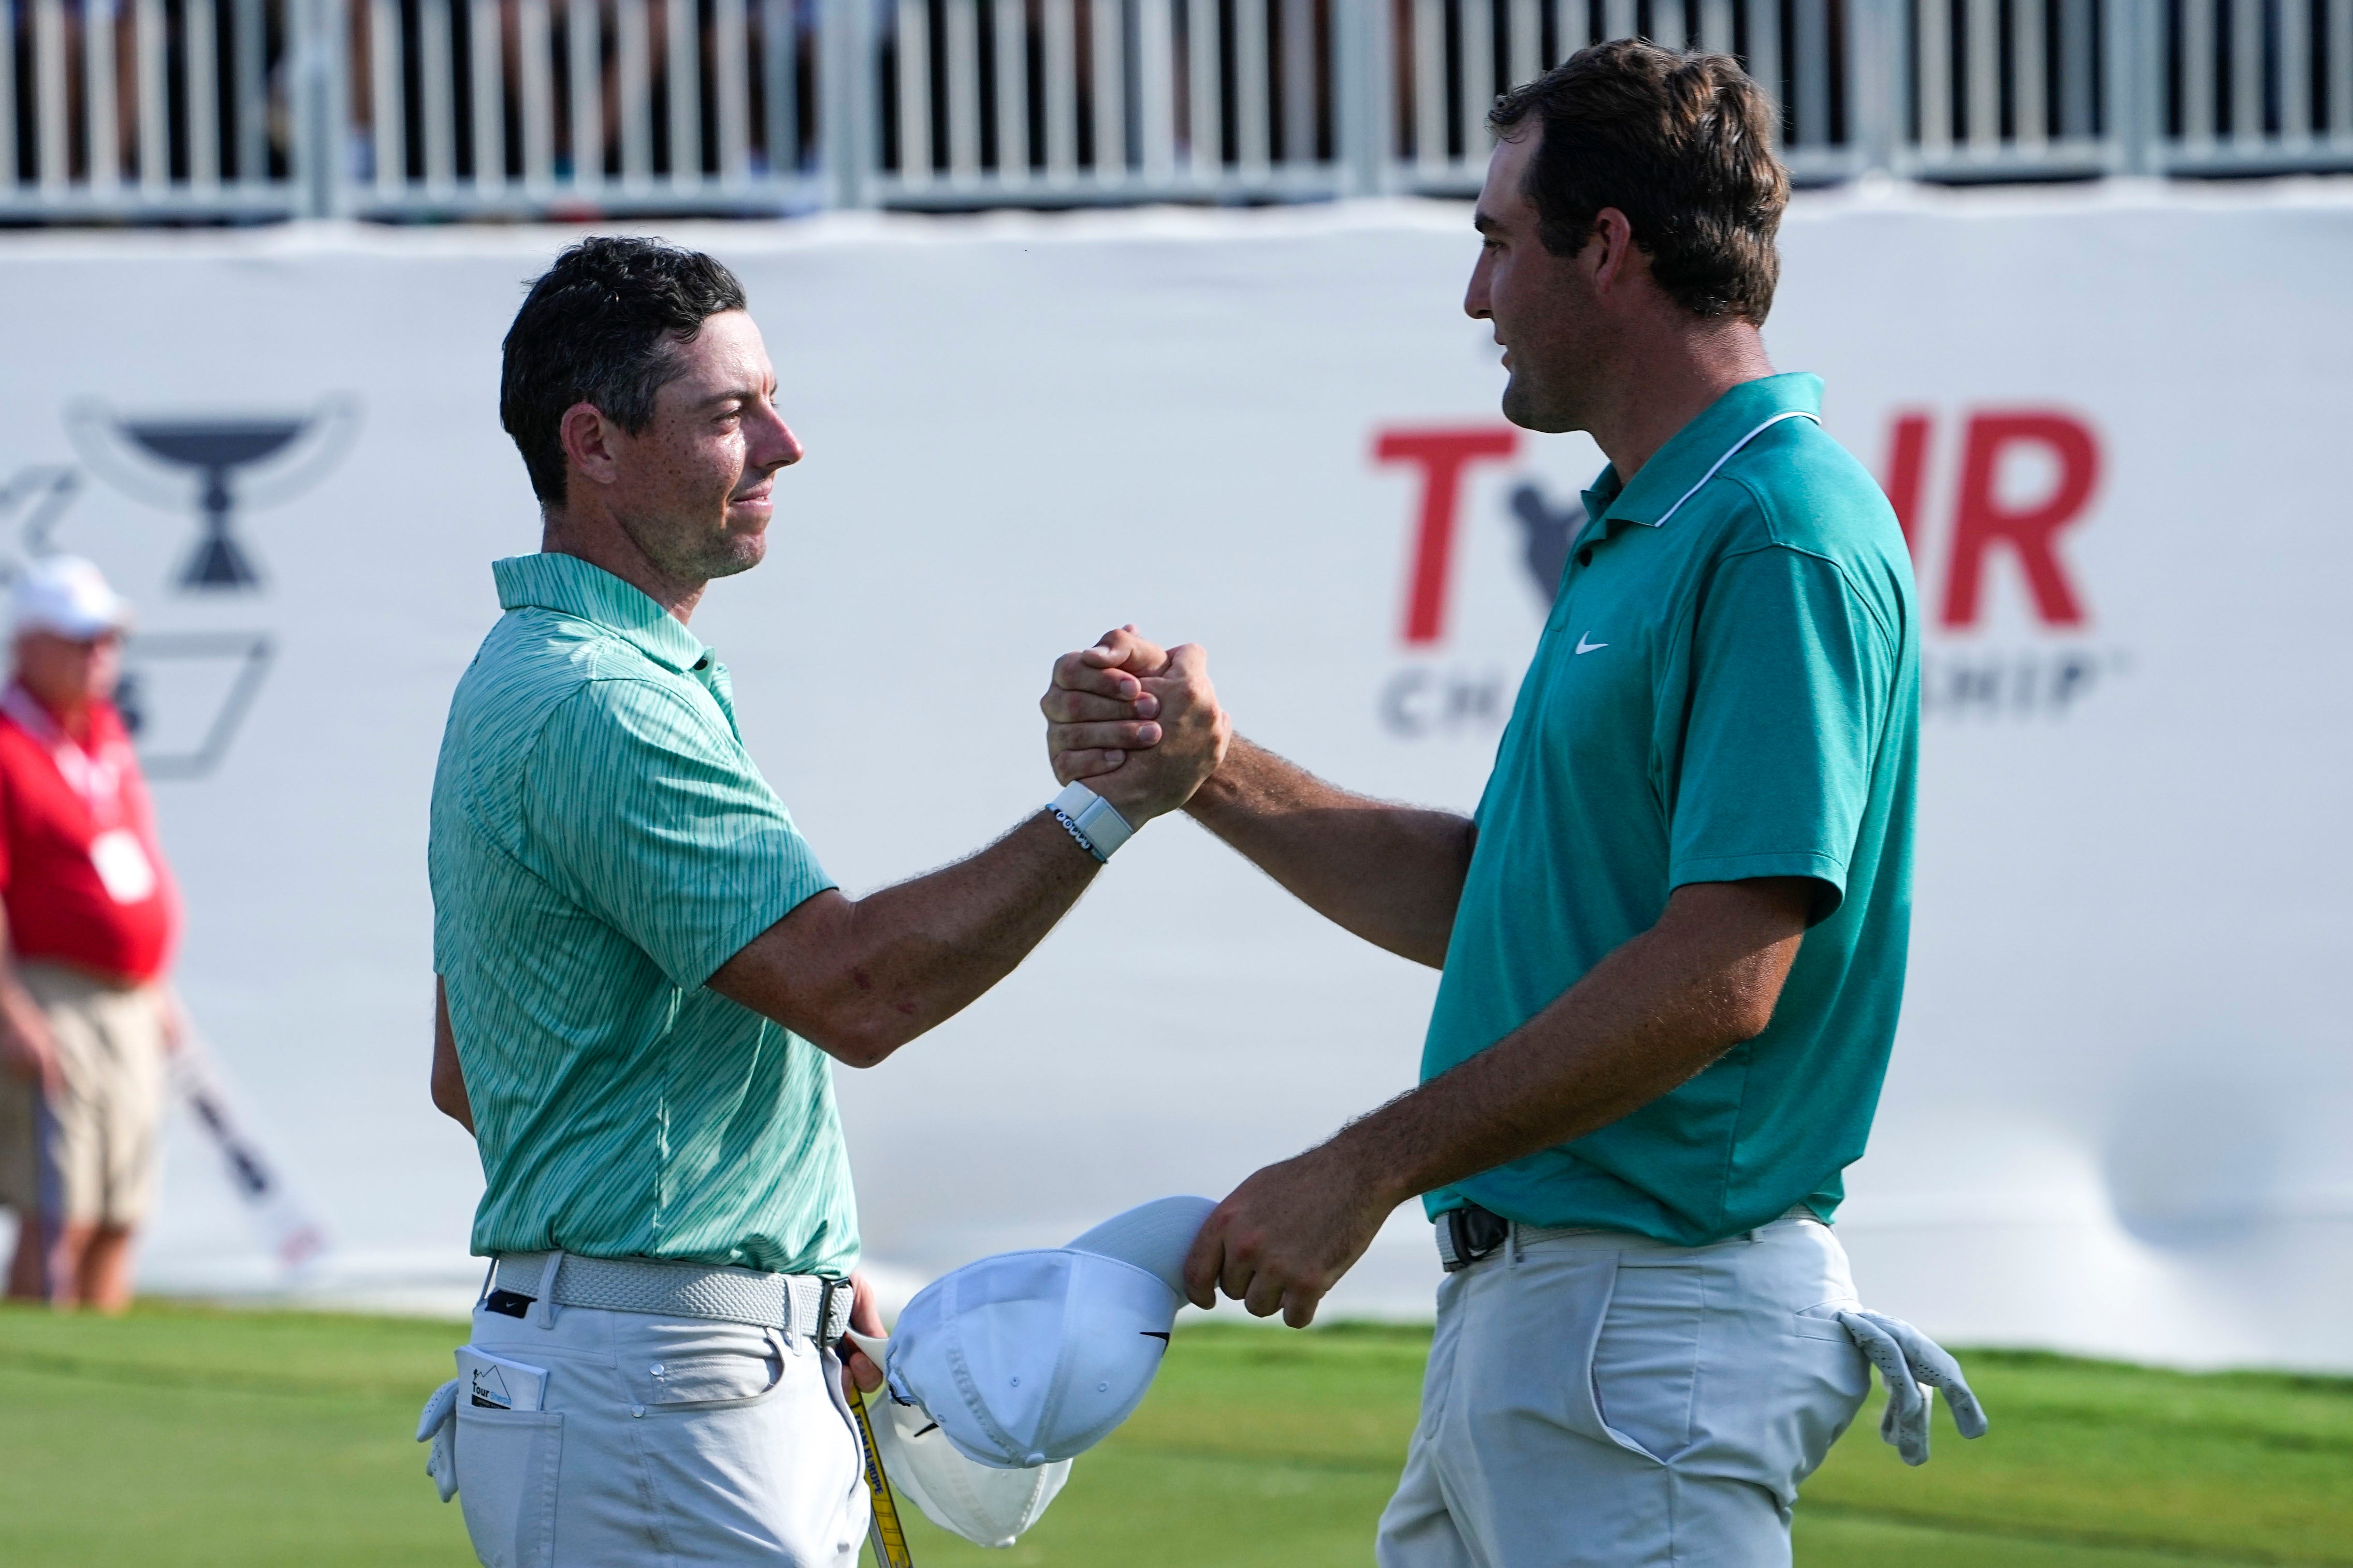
{"points": [[1151, 1334], [1584, 646]]}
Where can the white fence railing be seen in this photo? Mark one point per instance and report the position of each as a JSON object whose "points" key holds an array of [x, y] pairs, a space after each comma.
{"points": [[147, 108], [496, 105], [1062, 100], [164, 110]]}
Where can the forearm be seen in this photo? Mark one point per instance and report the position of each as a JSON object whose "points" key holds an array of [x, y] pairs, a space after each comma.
{"points": [[861, 979], [1653, 1014], [929, 947], [1391, 874]]}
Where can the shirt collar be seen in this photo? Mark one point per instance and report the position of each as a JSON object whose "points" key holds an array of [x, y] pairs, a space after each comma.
{"points": [[1693, 451], [571, 587], [91, 767]]}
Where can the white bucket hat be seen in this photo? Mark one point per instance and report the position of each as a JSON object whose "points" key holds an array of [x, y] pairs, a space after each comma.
{"points": [[1027, 1359], [68, 595]]}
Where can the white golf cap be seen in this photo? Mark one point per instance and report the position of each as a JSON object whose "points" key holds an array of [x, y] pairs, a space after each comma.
{"points": [[986, 1505], [1028, 1358], [66, 595]]}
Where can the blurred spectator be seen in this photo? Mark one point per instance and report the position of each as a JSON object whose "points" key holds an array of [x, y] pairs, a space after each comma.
{"points": [[87, 917]]}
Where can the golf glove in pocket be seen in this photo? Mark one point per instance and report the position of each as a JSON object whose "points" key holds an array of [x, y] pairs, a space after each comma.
{"points": [[1906, 1359], [439, 1426]]}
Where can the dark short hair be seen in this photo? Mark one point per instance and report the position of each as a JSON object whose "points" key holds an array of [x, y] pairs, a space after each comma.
{"points": [[1681, 144], [598, 328]]}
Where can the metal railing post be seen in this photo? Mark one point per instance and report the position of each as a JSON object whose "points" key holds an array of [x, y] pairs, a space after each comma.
{"points": [[1876, 39], [2135, 86], [1363, 82], [845, 100], [320, 148]]}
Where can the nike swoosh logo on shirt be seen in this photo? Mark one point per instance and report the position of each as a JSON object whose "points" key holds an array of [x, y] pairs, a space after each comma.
{"points": [[1584, 646]]}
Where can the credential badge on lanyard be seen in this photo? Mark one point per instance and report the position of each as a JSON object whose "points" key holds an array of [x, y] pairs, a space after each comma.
{"points": [[115, 852]]}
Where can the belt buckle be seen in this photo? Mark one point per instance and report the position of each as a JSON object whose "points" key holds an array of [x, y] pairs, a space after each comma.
{"points": [[824, 1326], [1475, 1234]]}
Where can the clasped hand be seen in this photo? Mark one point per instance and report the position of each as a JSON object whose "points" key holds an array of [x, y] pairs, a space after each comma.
{"points": [[1140, 726]]}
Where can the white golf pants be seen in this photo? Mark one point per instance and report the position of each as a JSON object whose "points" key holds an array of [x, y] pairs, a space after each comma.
{"points": [[1599, 1400], [662, 1443]]}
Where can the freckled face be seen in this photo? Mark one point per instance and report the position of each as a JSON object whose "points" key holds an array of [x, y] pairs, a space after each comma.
{"points": [[694, 489]]}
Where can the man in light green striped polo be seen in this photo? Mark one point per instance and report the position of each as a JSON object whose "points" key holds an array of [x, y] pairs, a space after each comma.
{"points": [[641, 966]]}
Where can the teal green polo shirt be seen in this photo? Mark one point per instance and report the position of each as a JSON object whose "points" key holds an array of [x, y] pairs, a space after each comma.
{"points": [[600, 844], [1727, 688]]}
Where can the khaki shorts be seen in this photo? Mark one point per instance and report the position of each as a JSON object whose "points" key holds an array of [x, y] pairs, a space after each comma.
{"points": [[87, 1156]]}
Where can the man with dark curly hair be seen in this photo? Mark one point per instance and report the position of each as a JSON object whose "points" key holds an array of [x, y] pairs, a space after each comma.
{"points": [[1673, 937], [641, 969]]}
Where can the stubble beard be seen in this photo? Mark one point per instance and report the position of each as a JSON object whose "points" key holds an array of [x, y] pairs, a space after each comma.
{"points": [[1528, 405], [735, 552], [691, 554]]}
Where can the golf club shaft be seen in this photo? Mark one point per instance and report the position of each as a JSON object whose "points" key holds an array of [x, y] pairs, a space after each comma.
{"points": [[890, 1539]]}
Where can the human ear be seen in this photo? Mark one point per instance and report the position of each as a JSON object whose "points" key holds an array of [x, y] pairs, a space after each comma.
{"points": [[1613, 247], [588, 440]]}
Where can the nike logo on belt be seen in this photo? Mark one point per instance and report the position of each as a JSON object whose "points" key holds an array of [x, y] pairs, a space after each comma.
{"points": [[1584, 646]]}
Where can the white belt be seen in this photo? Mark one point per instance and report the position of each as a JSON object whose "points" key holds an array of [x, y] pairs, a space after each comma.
{"points": [[810, 1304]]}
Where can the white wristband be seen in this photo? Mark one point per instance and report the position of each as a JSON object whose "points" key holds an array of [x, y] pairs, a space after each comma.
{"points": [[1093, 821]]}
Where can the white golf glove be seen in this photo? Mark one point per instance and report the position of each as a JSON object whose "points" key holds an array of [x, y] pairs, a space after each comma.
{"points": [[439, 1426], [1907, 1358]]}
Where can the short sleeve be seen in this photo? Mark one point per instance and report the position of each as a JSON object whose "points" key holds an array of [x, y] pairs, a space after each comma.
{"points": [[647, 813], [1791, 688]]}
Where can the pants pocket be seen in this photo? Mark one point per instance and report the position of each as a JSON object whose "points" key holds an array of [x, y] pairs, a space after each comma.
{"points": [[1822, 1322], [703, 1367], [509, 1462], [1543, 1351], [1645, 1371]]}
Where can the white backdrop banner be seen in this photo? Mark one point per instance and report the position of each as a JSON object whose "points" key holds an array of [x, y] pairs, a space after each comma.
{"points": [[2111, 423]]}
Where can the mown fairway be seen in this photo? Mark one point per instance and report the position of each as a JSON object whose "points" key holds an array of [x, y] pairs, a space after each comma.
{"points": [[186, 1437]]}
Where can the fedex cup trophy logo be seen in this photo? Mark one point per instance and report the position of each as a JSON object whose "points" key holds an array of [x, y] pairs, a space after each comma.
{"points": [[217, 465], [186, 692]]}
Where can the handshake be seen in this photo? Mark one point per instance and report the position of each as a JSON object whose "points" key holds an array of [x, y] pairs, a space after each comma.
{"points": [[1137, 724]]}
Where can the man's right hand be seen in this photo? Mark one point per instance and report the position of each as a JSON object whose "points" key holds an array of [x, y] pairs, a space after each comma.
{"points": [[1142, 726], [27, 1052]]}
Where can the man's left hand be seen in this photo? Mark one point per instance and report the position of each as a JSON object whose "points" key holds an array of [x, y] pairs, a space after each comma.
{"points": [[866, 1318], [1284, 1238]]}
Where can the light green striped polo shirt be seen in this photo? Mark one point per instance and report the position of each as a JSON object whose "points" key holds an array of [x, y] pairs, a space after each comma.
{"points": [[601, 843]]}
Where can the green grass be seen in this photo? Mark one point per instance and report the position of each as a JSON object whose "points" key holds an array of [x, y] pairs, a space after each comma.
{"points": [[181, 1435]]}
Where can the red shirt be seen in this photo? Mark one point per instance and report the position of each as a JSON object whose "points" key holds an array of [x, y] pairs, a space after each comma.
{"points": [[81, 874]]}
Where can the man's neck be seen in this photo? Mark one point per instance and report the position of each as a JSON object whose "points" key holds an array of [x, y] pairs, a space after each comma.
{"points": [[72, 717], [597, 537], [1668, 379]]}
